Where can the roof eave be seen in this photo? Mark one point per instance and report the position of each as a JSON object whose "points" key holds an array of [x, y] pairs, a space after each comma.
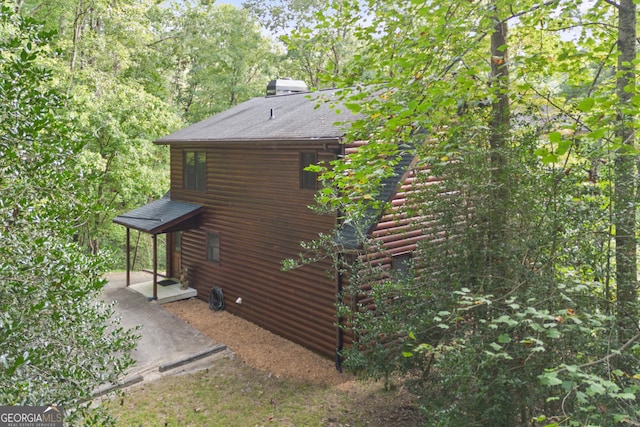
{"points": [[253, 141]]}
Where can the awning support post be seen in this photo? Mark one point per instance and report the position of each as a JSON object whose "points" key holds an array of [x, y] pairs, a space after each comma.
{"points": [[128, 256], [155, 267]]}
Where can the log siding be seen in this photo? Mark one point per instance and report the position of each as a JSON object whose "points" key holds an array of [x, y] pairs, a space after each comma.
{"points": [[254, 202]]}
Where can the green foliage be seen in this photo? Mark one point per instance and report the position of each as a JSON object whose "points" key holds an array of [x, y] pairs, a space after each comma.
{"points": [[483, 348], [317, 53], [129, 170], [136, 70], [509, 316], [57, 342], [220, 58], [109, 65]]}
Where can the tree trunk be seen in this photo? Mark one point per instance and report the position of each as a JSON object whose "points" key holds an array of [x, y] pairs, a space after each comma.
{"points": [[625, 197], [499, 134]]}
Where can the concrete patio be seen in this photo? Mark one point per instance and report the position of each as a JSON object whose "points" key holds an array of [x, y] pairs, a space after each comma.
{"points": [[167, 293]]}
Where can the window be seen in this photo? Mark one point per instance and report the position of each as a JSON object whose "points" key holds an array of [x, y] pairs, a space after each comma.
{"points": [[177, 241], [213, 247], [308, 179], [401, 264], [195, 170]]}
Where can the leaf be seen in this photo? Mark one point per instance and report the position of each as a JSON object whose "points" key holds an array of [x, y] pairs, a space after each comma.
{"points": [[548, 157], [626, 396], [586, 104], [354, 107], [563, 147], [595, 389], [553, 333], [424, 347], [555, 137], [550, 379], [504, 338], [407, 354], [597, 134], [506, 320]]}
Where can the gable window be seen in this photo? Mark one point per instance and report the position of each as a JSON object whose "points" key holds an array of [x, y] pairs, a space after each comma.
{"points": [[308, 180], [195, 170], [213, 247]]}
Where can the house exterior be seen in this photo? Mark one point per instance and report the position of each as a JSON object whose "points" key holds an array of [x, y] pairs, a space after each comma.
{"points": [[240, 177]]}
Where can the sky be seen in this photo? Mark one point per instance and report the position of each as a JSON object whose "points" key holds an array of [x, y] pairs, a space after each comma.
{"points": [[236, 3]]}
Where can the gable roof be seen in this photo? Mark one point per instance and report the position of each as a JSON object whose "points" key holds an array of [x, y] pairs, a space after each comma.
{"points": [[293, 117], [348, 234], [296, 117]]}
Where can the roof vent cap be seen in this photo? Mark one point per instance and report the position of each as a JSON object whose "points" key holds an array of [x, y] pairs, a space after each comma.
{"points": [[286, 86]]}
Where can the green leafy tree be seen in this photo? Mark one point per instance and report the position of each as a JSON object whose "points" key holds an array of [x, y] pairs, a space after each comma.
{"points": [[221, 58], [110, 68], [508, 318], [57, 341], [317, 54]]}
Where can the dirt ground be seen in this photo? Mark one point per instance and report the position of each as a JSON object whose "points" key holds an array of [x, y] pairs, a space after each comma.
{"points": [[258, 347], [268, 352]]}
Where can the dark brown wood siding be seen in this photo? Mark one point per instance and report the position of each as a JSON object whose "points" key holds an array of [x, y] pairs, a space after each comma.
{"points": [[400, 227], [254, 202]]}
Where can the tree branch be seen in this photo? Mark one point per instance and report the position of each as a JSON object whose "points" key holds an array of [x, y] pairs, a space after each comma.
{"points": [[531, 9], [482, 35], [161, 40], [607, 357], [612, 3]]}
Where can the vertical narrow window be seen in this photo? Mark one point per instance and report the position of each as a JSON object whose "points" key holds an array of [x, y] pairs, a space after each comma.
{"points": [[201, 171], [195, 170], [308, 180], [177, 241], [213, 247]]}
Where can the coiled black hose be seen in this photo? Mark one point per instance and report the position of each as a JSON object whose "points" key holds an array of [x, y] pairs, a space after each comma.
{"points": [[216, 299]]}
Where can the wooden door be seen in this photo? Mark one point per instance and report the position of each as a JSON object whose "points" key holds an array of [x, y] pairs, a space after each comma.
{"points": [[176, 254]]}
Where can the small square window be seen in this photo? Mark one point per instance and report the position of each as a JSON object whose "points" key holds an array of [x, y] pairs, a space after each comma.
{"points": [[308, 180], [213, 247], [401, 264]]}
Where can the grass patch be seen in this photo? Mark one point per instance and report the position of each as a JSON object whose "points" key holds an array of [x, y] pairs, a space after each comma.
{"points": [[231, 393]]}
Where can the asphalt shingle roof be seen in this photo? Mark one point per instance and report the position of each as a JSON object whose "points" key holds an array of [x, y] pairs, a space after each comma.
{"points": [[158, 216], [291, 117]]}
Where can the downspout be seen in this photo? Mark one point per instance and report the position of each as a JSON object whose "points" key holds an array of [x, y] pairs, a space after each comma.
{"points": [[339, 332], [339, 286]]}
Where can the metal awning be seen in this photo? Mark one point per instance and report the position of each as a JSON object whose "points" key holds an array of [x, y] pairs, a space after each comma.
{"points": [[162, 216]]}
